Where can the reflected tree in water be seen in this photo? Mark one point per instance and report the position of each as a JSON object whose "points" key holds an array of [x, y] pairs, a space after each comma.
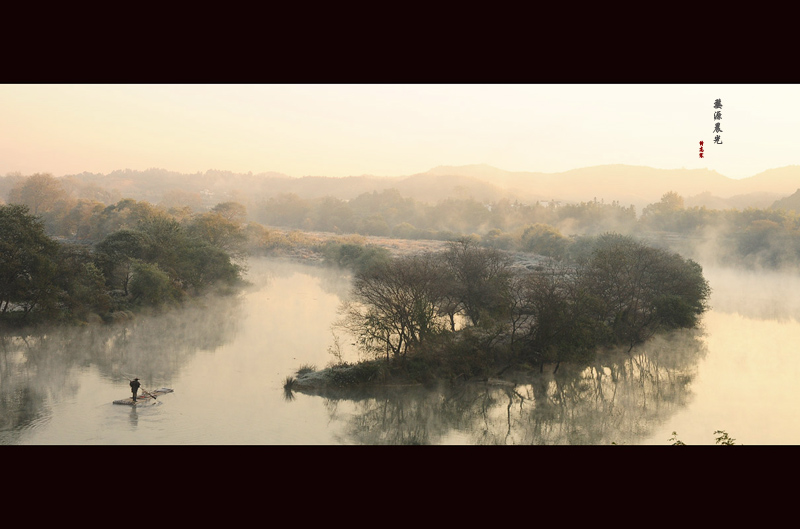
{"points": [[619, 398]]}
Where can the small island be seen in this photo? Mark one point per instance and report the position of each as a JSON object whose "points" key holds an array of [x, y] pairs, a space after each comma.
{"points": [[473, 313]]}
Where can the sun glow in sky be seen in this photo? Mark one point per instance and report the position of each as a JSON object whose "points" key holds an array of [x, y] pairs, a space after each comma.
{"points": [[393, 130]]}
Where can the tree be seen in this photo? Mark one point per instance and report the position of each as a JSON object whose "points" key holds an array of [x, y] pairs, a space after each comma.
{"points": [[164, 239], [670, 202], [395, 305], [404, 230], [665, 214], [374, 225], [82, 283], [220, 231], [562, 323], [40, 192], [27, 262], [643, 289], [544, 240], [231, 211], [479, 279], [151, 286], [116, 254], [333, 214], [125, 214], [80, 221], [357, 257], [205, 266]]}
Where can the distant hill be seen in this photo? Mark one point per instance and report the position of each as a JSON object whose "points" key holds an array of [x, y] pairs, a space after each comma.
{"points": [[626, 184], [790, 203], [749, 200], [636, 184], [153, 184]]}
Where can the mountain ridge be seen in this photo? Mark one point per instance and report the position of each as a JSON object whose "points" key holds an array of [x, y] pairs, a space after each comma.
{"points": [[626, 184]]}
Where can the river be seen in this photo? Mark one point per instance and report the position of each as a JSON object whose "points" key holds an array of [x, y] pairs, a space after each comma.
{"points": [[227, 359]]}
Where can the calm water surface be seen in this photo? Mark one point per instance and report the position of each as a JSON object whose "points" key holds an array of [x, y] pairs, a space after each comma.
{"points": [[227, 361]]}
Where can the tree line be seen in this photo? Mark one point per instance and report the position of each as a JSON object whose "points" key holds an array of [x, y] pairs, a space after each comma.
{"points": [[143, 258], [469, 307], [751, 237], [388, 214]]}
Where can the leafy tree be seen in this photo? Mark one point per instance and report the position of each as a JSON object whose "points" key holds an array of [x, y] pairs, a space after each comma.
{"points": [[80, 222], [164, 239], [670, 202], [404, 230], [643, 289], [594, 216], [666, 214], [231, 211], [221, 232], [374, 225], [204, 267], [544, 240], [82, 283], [40, 192], [125, 214], [116, 254], [151, 286], [386, 206], [27, 263], [333, 214], [766, 242], [495, 238], [357, 257]]}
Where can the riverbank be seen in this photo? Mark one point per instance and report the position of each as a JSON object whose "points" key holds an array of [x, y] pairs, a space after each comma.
{"points": [[310, 251], [368, 379]]}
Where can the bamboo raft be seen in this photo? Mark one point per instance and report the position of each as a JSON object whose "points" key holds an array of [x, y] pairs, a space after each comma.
{"points": [[144, 398]]}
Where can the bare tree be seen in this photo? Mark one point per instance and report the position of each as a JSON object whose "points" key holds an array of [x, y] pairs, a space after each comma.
{"points": [[480, 279], [396, 305]]}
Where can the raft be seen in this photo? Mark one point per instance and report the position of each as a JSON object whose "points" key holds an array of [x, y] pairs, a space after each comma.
{"points": [[144, 398]]}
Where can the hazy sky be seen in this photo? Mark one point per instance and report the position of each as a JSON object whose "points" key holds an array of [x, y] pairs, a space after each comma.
{"points": [[394, 130]]}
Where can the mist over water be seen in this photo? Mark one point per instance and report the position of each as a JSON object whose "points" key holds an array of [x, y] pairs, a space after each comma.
{"points": [[227, 358], [746, 385], [761, 294]]}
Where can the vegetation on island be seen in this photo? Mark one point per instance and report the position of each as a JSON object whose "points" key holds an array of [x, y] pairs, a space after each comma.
{"points": [[467, 312]]}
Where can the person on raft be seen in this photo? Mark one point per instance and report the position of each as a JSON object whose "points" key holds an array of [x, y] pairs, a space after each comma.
{"points": [[135, 387]]}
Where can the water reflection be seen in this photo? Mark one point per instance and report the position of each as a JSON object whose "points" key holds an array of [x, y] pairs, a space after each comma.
{"points": [[331, 280], [618, 399], [36, 366], [745, 384]]}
